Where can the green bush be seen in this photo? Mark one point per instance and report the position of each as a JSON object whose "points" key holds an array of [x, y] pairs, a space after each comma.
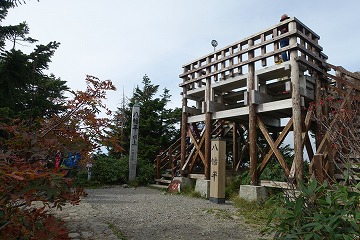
{"points": [[110, 170], [113, 170], [232, 186], [317, 211], [145, 172]]}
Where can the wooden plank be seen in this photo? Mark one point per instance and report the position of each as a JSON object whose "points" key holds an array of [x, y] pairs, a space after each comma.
{"points": [[273, 72], [260, 98], [242, 111], [192, 110], [277, 184], [274, 106], [196, 118], [237, 81], [197, 176]]}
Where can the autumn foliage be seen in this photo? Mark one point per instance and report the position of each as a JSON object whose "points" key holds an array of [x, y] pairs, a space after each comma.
{"points": [[29, 184]]}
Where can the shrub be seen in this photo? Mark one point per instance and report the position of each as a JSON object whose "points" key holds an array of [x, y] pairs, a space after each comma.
{"points": [[145, 172], [232, 186], [110, 170], [318, 212]]}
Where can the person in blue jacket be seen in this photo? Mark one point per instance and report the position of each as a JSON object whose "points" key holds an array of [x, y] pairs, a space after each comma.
{"points": [[284, 41]]}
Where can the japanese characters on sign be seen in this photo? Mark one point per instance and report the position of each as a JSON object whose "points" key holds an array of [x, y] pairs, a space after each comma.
{"points": [[134, 141]]}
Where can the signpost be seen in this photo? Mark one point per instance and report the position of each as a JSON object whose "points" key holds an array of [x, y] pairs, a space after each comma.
{"points": [[218, 171], [134, 141], [89, 168]]}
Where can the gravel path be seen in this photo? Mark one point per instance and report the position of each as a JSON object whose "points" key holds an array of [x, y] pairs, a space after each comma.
{"points": [[145, 213]]}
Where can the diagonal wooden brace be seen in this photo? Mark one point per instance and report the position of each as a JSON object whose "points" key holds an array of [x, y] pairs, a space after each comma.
{"points": [[274, 146]]}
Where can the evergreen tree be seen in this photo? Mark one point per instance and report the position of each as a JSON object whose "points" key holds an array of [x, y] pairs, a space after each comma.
{"points": [[157, 124], [25, 90]]}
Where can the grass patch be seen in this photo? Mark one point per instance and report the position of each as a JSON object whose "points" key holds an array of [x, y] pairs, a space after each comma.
{"points": [[220, 213], [255, 213], [116, 231], [189, 190]]}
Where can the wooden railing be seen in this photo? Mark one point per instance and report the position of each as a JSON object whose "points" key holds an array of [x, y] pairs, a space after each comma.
{"points": [[231, 60], [168, 159]]}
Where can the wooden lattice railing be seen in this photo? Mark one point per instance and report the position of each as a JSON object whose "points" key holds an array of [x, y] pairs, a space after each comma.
{"points": [[262, 47]]}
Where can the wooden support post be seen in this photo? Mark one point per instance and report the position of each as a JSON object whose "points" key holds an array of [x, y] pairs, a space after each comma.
{"points": [[296, 106], [318, 167], [235, 151], [208, 125], [252, 118], [318, 110], [184, 126]]}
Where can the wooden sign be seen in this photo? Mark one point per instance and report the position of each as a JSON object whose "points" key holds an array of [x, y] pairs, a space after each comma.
{"points": [[218, 171]]}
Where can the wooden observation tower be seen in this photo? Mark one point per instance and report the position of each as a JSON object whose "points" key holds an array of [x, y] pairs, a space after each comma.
{"points": [[241, 91]]}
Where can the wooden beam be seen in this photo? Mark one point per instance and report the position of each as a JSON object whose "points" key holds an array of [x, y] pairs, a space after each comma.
{"points": [[208, 129], [305, 135], [278, 141], [198, 146], [296, 101], [207, 160], [252, 117], [318, 167], [184, 119], [273, 146], [242, 153], [235, 151]]}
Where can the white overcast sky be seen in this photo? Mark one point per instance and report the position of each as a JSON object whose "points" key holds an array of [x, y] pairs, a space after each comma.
{"points": [[123, 40]]}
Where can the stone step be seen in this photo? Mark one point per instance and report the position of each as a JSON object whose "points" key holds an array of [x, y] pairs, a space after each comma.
{"points": [[165, 181], [166, 175], [159, 186]]}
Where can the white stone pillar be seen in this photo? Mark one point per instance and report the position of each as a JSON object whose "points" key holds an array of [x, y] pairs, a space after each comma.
{"points": [[134, 141]]}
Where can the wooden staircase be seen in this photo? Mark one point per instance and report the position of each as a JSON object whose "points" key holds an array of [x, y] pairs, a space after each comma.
{"points": [[167, 163], [339, 151]]}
